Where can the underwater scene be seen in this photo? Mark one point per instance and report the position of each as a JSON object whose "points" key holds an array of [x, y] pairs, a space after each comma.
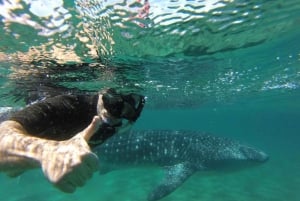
{"points": [[221, 79]]}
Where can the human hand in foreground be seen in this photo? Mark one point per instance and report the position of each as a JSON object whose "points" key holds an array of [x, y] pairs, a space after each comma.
{"points": [[68, 164]]}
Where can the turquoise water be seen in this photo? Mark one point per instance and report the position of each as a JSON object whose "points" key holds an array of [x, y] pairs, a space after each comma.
{"points": [[231, 68]]}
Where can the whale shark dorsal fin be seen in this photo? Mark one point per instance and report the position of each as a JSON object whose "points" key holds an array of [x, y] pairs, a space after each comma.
{"points": [[174, 176]]}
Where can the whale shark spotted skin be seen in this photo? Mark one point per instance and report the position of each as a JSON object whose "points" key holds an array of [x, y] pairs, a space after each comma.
{"points": [[181, 153]]}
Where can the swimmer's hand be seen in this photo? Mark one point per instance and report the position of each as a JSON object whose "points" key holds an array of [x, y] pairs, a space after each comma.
{"points": [[68, 164]]}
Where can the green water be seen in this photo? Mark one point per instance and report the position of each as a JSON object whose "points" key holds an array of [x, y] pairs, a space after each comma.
{"points": [[234, 73]]}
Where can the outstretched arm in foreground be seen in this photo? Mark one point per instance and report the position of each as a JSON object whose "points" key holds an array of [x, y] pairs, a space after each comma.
{"points": [[67, 164]]}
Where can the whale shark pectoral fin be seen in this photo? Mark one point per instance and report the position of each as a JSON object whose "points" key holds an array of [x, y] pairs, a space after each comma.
{"points": [[175, 176]]}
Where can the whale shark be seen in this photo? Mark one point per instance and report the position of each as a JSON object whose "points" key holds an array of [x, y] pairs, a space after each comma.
{"points": [[181, 153]]}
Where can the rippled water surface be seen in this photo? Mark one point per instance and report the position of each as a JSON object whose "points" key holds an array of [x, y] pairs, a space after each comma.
{"points": [[179, 53], [229, 67]]}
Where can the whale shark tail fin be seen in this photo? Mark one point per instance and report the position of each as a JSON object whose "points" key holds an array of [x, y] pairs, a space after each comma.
{"points": [[174, 177]]}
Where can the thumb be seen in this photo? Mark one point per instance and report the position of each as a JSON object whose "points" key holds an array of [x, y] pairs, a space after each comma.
{"points": [[89, 131]]}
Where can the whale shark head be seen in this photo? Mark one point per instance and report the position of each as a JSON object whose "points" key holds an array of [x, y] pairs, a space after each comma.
{"points": [[238, 156], [253, 154]]}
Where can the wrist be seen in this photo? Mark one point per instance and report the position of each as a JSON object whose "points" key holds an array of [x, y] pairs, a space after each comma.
{"points": [[18, 150]]}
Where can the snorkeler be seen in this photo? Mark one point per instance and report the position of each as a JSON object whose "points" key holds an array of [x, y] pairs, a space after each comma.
{"points": [[57, 134]]}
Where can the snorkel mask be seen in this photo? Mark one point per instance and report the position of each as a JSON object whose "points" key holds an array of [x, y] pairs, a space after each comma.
{"points": [[125, 108]]}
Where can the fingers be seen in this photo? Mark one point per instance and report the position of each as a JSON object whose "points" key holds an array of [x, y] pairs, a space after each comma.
{"points": [[91, 161], [79, 175], [65, 186], [91, 129], [77, 163]]}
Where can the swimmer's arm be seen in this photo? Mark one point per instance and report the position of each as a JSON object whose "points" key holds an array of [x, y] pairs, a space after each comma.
{"points": [[67, 164], [18, 151]]}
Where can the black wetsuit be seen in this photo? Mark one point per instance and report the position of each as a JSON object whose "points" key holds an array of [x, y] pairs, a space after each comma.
{"points": [[62, 117], [58, 118]]}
